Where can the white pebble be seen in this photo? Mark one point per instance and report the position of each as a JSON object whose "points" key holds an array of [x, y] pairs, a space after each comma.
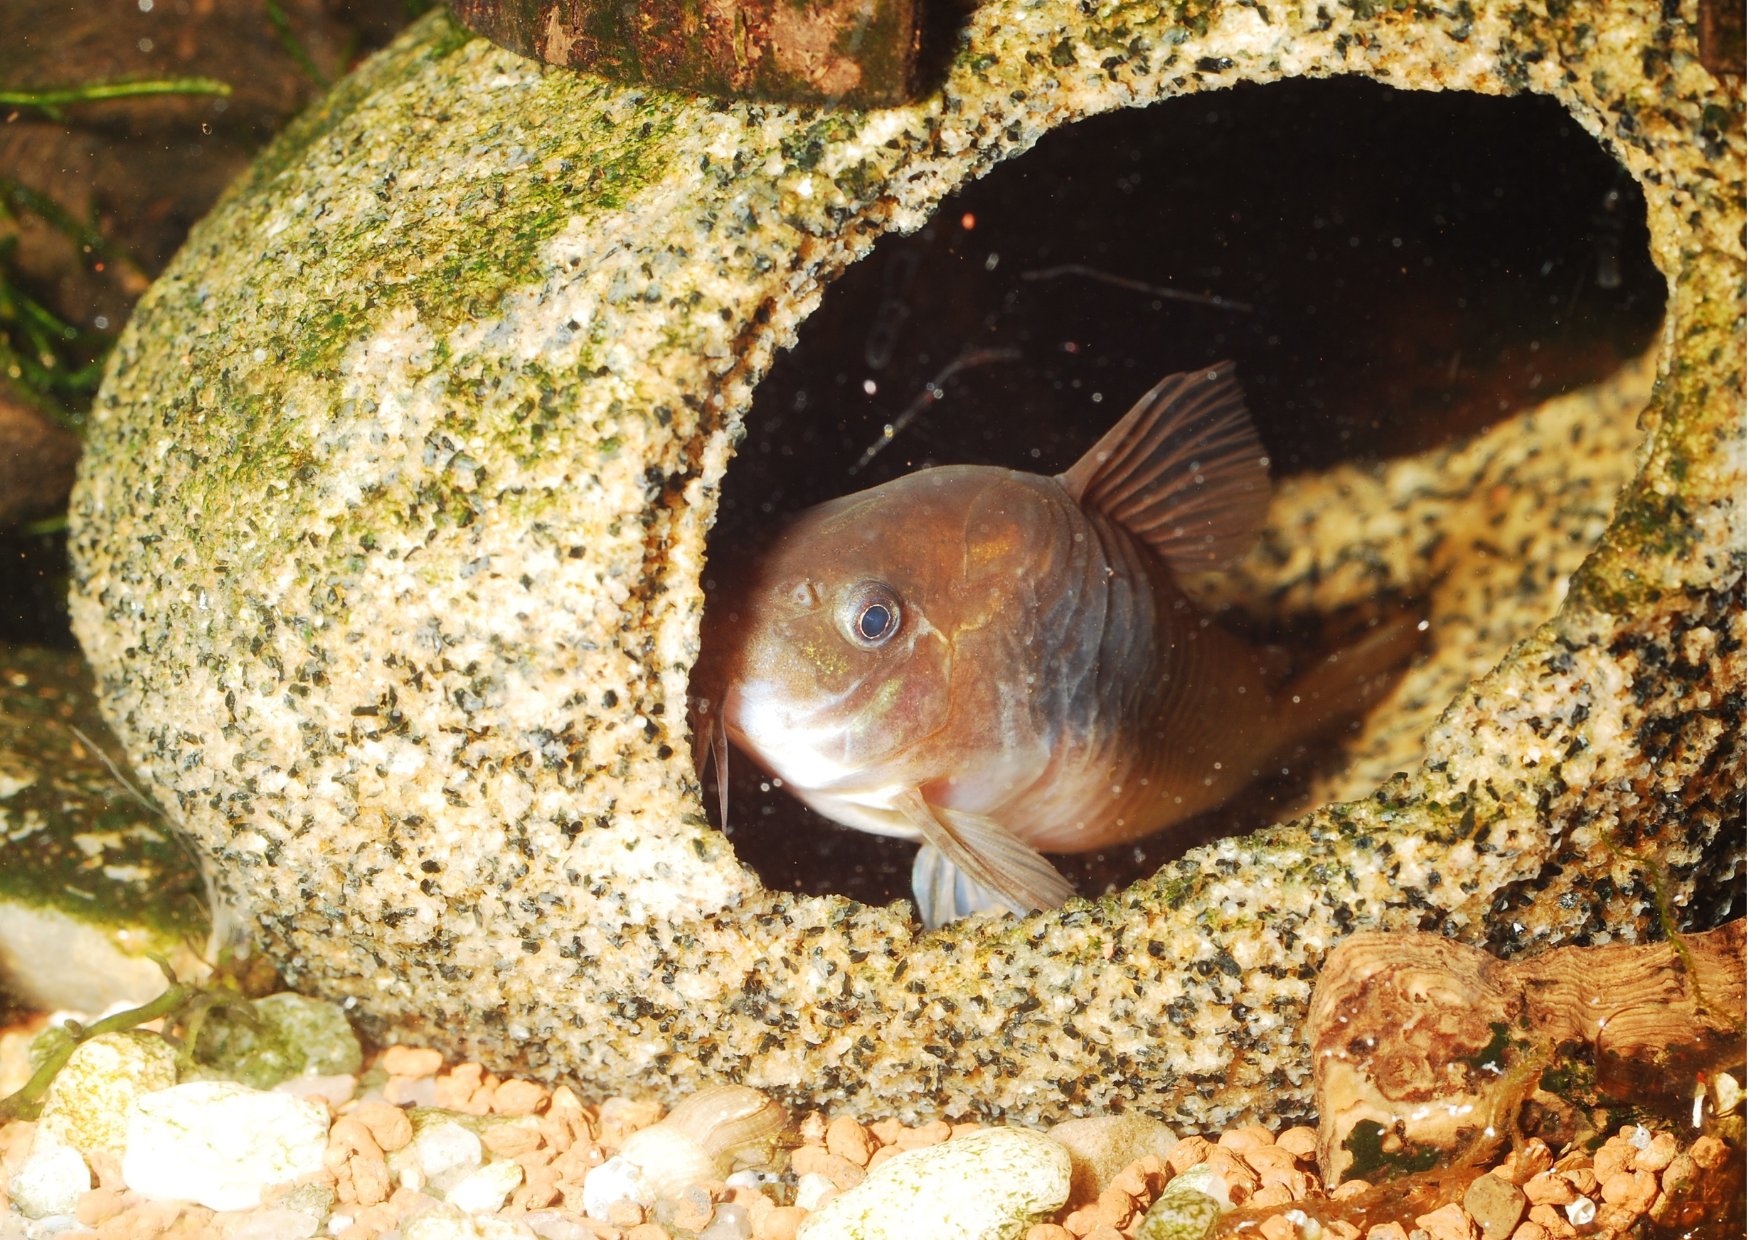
{"points": [[811, 1189], [1205, 1180], [615, 1180], [732, 1222], [485, 1191], [448, 1154], [1727, 1093], [50, 1182], [1580, 1212], [989, 1183], [220, 1144], [338, 1223], [1640, 1137]]}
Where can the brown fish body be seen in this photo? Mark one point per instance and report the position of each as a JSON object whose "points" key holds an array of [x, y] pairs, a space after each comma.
{"points": [[1002, 664]]}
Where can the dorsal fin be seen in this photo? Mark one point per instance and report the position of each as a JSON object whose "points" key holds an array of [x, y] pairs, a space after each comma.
{"points": [[1183, 471]]}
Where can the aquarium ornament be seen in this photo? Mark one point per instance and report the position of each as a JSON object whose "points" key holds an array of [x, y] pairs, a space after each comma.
{"points": [[857, 53]]}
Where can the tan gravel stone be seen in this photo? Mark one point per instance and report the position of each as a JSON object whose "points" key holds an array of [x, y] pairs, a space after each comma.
{"points": [[1448, 1222], [1657, 1155], [625, 1214], [932, 1133], [1262, 1158], [388, 1125], [782, 1223], [1249, 1137], [1682, 1173], [98, 1206], [1496, 1205], [1552, 1220], [1300, 1141], [1709, 1152], [1634, 1190], [509, 1140], [411, 1062], [519, 1098], [817, 1160], [847, 1139], [1612, 1157], [1584, 1179], [1187, 1153], [1549, 1188]]}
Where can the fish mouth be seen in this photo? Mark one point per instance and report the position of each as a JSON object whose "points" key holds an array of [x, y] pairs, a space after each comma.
{"points": [[810, 748]]}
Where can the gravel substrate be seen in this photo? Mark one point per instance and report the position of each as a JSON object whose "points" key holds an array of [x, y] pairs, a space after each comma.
{"points": [[398, 1165]]}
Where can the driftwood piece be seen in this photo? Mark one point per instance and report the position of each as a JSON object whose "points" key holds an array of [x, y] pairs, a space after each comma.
{"points": [[1429, 1053], [860, 53]]}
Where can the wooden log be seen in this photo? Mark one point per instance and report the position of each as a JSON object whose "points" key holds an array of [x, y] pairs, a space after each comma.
{"points": [[857, 53], [1428, 1053]]}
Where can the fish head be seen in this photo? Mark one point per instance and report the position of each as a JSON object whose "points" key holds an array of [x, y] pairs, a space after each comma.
{"points": [[833, 651]]}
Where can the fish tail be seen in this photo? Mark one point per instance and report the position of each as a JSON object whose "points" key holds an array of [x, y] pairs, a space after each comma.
{"points": [[1348, 681]]}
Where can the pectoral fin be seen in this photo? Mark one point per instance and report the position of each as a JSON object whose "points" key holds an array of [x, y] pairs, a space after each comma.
{"points": [[979, 854], [710, 744], [944, 894]]}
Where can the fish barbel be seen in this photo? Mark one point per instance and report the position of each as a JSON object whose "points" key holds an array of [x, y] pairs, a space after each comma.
{"points": [[1001, 664]]}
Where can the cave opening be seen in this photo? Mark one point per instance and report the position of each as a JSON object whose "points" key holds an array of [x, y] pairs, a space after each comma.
{"points": [[1389, 270]]}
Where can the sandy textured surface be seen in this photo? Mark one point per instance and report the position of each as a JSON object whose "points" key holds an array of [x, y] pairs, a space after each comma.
{"points": [[389, 536]]}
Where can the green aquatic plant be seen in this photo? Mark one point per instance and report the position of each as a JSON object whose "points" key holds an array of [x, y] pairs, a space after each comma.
{"points": [[181, 1007], [51, 99], [51, 363]]}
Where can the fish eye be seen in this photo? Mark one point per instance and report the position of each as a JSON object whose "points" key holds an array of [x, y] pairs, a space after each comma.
{"points": [[872, 615]]}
